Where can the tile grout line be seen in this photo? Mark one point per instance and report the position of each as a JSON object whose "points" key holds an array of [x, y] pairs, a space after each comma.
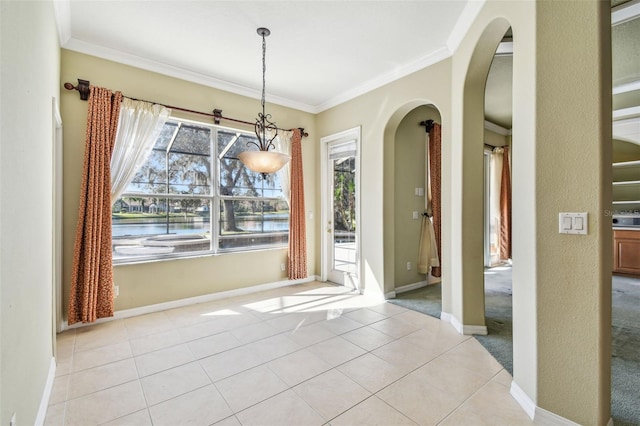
{"points": [[285, 333], [452, 412]]}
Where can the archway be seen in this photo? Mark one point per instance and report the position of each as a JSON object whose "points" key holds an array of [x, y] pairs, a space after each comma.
{"points": [[498, 114], [409, 203], [468, 308], [404, 197]]}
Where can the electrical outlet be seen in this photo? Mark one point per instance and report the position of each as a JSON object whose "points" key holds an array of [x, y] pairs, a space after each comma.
{"points": [[116, 290], [282, 267], [408, 266], [13, 421]]}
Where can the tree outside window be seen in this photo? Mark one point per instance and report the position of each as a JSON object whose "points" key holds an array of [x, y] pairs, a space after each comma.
{"points": [[193, 172]]}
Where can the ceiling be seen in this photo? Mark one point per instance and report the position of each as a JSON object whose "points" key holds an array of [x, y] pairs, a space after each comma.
{"points": [[319, 53]]}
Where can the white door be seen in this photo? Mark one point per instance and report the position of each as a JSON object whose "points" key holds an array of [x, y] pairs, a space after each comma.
{"points": [[341, 210]]}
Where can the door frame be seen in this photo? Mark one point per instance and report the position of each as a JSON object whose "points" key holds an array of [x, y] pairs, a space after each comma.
{"points": [[487, 207], [56, 220], [343, 136]]}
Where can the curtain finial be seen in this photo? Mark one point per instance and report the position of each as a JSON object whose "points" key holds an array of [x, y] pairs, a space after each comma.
{"points": [[428, 125]]}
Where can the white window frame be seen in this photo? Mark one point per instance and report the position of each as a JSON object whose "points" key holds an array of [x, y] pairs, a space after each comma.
{"points": [[215, 199]]}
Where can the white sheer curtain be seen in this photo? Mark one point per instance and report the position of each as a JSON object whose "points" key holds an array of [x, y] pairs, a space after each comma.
{"points": [[495, 180], [138, 128], [283, 145], [428, 250]]}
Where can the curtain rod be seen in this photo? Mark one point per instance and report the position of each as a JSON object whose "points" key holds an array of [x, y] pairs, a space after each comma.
{"points": [[83, 89], [427, 124], [492, 147]]}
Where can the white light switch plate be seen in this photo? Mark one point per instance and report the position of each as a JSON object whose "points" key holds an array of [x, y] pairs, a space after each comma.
{"points": [[573, 223]]}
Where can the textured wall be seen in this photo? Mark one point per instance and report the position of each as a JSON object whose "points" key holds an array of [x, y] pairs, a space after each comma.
{"points": [[409, 174], [155, 282], [30, 66], [561, 283]]}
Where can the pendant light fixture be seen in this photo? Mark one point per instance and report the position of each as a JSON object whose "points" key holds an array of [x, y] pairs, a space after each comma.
{"points": [[264, 161]]}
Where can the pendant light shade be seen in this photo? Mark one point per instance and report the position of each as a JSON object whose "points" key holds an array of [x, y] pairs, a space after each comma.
{"points": [[264, 161]]}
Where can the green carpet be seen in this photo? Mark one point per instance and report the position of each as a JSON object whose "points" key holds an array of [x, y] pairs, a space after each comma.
{"points": [[625, 363]]}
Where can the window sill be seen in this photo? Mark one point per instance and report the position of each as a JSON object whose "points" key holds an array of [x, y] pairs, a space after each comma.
{"points": [[187, 256]]}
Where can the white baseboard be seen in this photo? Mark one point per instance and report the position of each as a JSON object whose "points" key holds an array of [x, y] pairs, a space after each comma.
{"points": [[456, 324], [142, 310], [461, 328], [545, 417], [523, 399], [409, 287], [537, 414], [390, 295], [46, 394], [480, 330]]}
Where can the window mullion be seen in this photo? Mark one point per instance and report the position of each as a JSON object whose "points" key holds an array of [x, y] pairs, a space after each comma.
{"points": [[215, 191], [177, 219]]}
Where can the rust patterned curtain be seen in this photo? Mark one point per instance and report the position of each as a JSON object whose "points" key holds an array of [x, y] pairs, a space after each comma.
{"points": [[297, 225], [435, 165], [505, 208], [92, 275]]}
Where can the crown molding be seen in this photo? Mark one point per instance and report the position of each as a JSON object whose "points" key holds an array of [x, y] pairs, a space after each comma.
{"points": [[62, 13], [622, 114], [464, 22], [177, 72], [625, 12], [505, 48], [67, 41], [496, 128], [627, 87], [194, 77], [383, 79], [626, 125]]}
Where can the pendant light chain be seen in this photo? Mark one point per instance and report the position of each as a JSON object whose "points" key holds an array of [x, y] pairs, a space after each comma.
{"points": [[264, 70], [263, 123], [264, 161]]}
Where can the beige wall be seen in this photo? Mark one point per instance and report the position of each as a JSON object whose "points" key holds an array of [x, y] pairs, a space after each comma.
{"points": [[494, 139], [380, 112], [155, 282], [561, 291], [561, 284], [581, 119], [30, 66], [409, 167]]}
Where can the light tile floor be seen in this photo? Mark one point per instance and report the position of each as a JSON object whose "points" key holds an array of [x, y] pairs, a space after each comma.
{"points": [[309, 354]]}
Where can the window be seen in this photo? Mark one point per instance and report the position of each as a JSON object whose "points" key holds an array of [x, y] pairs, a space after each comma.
{"points": [[193, 196]]}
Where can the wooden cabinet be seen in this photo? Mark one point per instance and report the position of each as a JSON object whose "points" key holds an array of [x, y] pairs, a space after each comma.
{"points": [[626, 251], [626, 198]]}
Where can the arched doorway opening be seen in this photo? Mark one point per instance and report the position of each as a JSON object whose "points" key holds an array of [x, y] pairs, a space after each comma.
{"points": [[468, 299], [407, 194], [497, 140]]}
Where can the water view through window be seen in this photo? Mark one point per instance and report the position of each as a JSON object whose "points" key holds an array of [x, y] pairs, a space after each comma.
{"points": [[193, 196]]}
